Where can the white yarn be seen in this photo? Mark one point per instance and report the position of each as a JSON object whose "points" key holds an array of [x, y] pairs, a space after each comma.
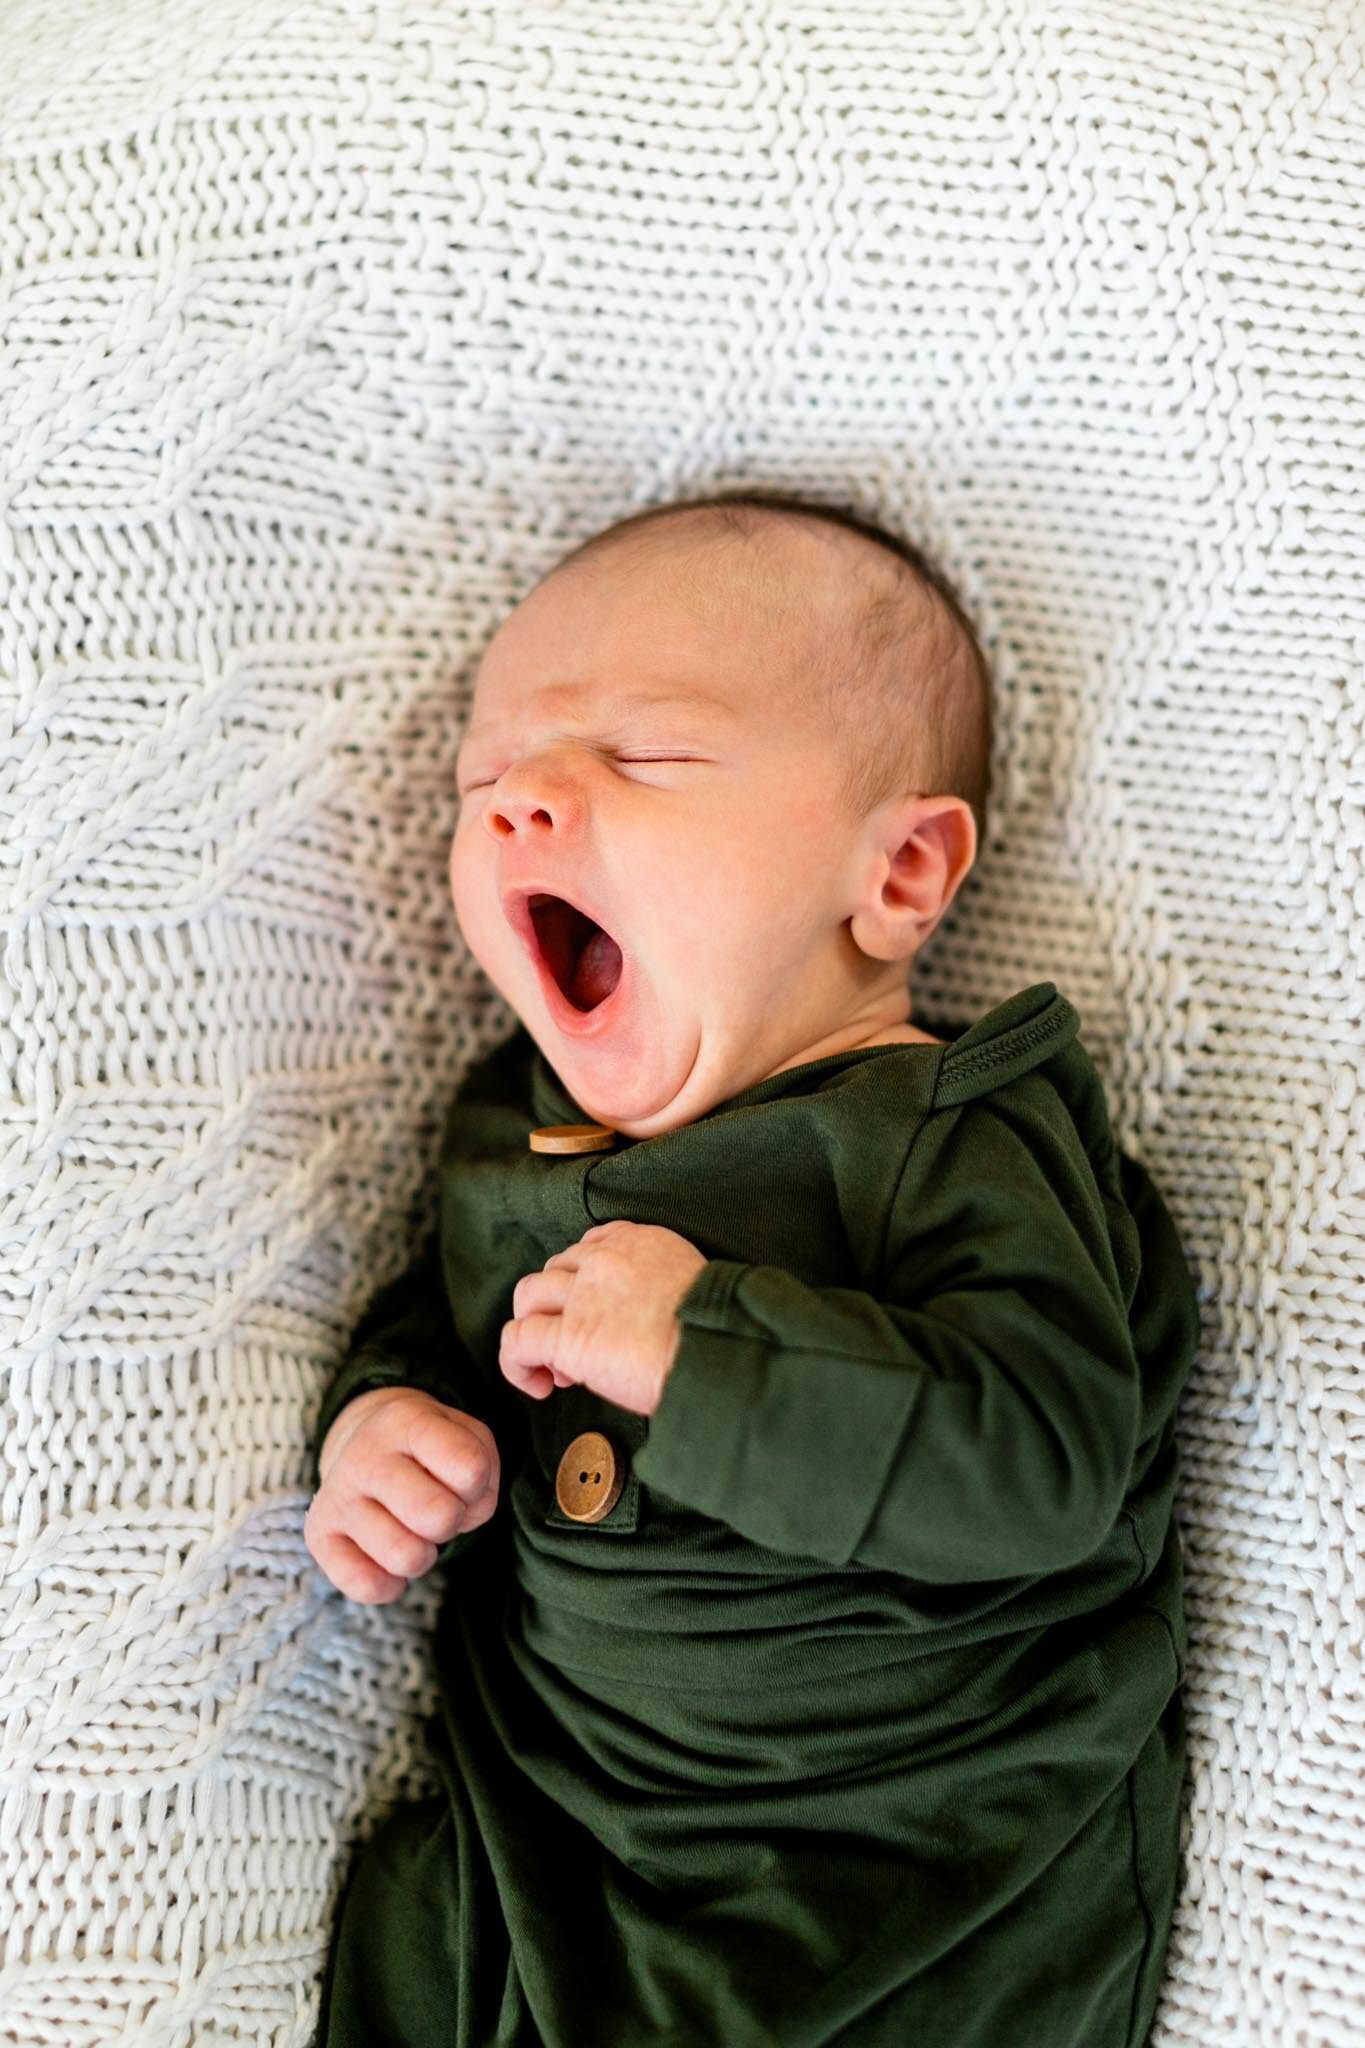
{"points": [[326, 329]]}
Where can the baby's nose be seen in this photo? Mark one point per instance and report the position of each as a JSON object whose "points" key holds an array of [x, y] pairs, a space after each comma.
{"points": [[535, 796]]}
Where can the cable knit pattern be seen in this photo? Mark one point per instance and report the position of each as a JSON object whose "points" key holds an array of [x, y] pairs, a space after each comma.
{"points": [[326, 329]]}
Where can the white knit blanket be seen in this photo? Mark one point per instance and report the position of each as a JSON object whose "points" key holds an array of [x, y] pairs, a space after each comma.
{"points": [[327, 327]]}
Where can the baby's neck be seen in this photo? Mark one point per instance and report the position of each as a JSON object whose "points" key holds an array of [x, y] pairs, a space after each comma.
{"points": [[903, 1034], [889, 1034]]}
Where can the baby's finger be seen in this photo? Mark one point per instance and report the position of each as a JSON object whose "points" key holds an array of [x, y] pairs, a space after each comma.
{"points": [[429, 1506], [355, 1574], [536, 1385], [458, 1450], [541, 1291], [370, 1558], [393, 1546], [535, 1380], [525, 1352]]}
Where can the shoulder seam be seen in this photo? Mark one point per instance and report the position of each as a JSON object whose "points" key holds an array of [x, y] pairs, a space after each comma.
{"points": [[992, 1055], [1050, 1035]]}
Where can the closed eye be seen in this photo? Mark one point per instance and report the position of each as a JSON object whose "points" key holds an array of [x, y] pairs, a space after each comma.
{"points": [[625, 758]]}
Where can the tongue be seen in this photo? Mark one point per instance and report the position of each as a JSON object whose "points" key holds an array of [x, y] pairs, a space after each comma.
{"points": [[597, 971]]}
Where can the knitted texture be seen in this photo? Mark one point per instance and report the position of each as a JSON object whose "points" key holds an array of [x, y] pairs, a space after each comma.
{"points": [[327, 327]]}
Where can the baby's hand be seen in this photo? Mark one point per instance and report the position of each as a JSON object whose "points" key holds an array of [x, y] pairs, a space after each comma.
{"points": [[602, 1314], [401, 1473]]}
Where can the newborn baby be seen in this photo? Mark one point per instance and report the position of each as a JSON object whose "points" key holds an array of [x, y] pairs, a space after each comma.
{"points": [[787, 1391]]}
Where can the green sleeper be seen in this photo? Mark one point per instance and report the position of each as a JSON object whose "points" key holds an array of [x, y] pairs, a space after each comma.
{"points": [[858, 1718]]}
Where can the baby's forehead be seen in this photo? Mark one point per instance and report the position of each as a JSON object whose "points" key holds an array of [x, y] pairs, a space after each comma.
{"points": [[692, 594], [698, 630], [782, 566]]}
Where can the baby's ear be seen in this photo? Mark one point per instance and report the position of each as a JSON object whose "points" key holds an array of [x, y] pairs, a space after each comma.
{"points": [[927, 845]]}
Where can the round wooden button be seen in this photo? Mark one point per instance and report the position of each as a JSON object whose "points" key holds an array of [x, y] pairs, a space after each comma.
{"points": [[590, 1477], [572, 1138]]}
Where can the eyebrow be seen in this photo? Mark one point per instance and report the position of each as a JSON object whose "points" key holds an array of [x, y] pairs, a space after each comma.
{"points": [[618, 709]]}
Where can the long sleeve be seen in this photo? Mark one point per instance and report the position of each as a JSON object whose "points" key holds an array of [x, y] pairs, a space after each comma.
{"points": [[973, 1419], [407, 1337]]}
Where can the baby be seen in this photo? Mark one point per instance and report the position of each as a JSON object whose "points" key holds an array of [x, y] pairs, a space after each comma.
{"points": [[787, 1391]]}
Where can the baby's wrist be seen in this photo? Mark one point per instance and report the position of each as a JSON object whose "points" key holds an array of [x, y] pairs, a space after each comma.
{"points": [[675, 1345]]}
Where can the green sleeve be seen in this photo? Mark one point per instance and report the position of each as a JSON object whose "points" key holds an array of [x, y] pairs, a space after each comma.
{"points": [[407, 1338], [973, 1418]]}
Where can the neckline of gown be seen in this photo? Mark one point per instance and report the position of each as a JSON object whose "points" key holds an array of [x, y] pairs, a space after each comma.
{"points": [[549, 1088]]}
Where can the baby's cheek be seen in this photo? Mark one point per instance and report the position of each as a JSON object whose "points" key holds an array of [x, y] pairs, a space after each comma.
{"points": [[475, 912]]}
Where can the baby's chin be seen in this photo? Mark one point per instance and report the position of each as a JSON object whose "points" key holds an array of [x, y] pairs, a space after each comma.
{"points": [[641, 1099], [641, 1082]]}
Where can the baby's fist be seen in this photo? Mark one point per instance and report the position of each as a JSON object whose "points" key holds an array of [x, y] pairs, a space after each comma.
{"points": [[400, 1474]]}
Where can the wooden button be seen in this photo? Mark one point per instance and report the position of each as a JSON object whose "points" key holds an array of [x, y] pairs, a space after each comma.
{"points": [[590, 1477], [572, 1138]]}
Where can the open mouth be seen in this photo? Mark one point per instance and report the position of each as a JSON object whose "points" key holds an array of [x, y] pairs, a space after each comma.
{"points": [[584, 960]]}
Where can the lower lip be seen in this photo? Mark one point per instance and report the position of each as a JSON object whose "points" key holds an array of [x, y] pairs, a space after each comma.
{"points": [[582, 1023]]}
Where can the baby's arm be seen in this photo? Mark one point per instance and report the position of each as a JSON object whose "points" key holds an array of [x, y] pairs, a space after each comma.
{"points": [[975, 1418]]}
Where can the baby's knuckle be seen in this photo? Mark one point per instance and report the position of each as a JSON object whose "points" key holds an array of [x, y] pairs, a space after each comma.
{"points": [[469, 1472], [442, 1520], [436, 1515], [588, 1329], [477, 1465], [475, 1429], [471, 1462]]}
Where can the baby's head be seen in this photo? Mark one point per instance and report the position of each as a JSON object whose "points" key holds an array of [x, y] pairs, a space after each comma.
{"points": [[752, 743]]}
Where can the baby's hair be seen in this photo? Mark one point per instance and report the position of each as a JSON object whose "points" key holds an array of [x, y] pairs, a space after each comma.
{"points": [[910, 718]]}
